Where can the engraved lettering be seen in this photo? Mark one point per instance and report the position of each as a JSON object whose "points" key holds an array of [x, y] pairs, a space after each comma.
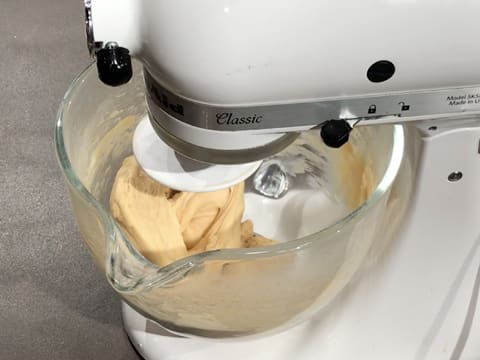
{"points": [[222, 118], [457, 98], [177, 108], [162, 101], [227, 118]]}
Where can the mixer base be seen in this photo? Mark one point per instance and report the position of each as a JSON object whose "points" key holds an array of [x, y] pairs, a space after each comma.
{"points": [[418, 302]]}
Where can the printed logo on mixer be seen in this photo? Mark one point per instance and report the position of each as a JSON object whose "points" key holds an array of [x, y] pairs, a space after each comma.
{"points": [[163, 101], [226, 118]]}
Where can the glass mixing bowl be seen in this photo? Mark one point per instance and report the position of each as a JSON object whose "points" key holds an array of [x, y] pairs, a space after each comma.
{"points": [[327, 223]]}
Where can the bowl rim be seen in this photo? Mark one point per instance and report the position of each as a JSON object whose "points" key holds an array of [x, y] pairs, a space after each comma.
{"points": [[112, 229]]}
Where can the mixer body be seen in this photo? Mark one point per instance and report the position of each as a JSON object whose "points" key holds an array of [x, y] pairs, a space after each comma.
{"points": [[243, 66], [414, 297], [242, 76]]}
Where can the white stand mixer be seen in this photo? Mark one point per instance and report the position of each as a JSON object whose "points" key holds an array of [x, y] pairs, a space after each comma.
{"points": [[229, 82]]}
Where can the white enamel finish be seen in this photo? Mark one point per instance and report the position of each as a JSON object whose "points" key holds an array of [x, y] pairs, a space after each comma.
{"points": [[161, 163], [418, 301], [119, 21], [250, 51]]}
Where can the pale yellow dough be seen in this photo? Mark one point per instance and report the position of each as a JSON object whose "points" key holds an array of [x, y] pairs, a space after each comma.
{"points": [[165, 225]]}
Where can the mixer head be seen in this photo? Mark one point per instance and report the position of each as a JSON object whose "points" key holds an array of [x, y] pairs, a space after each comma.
{"points": [[232, 86], [173, 149]]}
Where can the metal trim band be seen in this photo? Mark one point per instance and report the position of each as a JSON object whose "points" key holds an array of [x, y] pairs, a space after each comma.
{"points": [[93, 46], [224, 157], [309, 114], [89, 27]]}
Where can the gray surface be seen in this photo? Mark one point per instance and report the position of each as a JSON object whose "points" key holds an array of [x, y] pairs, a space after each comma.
{"points": [[54, 303]]}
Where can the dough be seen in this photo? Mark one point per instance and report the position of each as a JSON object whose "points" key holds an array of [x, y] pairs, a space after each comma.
{"points": [[165, 225], [354, 176]]}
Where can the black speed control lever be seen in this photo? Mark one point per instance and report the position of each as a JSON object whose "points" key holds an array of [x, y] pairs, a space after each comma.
{"points": [[335, 133]]}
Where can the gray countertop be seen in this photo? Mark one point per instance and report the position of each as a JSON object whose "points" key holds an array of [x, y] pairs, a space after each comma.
{"points": [[54, 303]]}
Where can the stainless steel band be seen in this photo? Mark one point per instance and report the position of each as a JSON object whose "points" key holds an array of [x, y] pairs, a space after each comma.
{"points": [[93, 45], [89, 27], [224, 157], [434, 102]]}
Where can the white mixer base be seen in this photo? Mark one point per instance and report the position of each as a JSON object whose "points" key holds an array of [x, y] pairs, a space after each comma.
{"points": [[418, 302]]}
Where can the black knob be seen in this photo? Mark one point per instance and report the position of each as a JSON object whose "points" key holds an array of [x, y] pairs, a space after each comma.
{"points": [[335, 133], [114, 65]]}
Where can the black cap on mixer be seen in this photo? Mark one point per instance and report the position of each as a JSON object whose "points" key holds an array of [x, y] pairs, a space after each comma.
{"points": [[335, 133], [114, 65]]}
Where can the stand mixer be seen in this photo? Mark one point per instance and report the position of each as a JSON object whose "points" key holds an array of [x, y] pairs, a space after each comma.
{"points": [[230, 83]]}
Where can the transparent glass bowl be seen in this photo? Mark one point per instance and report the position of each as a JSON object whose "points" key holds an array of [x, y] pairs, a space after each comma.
{"points": [[235, 292]]}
